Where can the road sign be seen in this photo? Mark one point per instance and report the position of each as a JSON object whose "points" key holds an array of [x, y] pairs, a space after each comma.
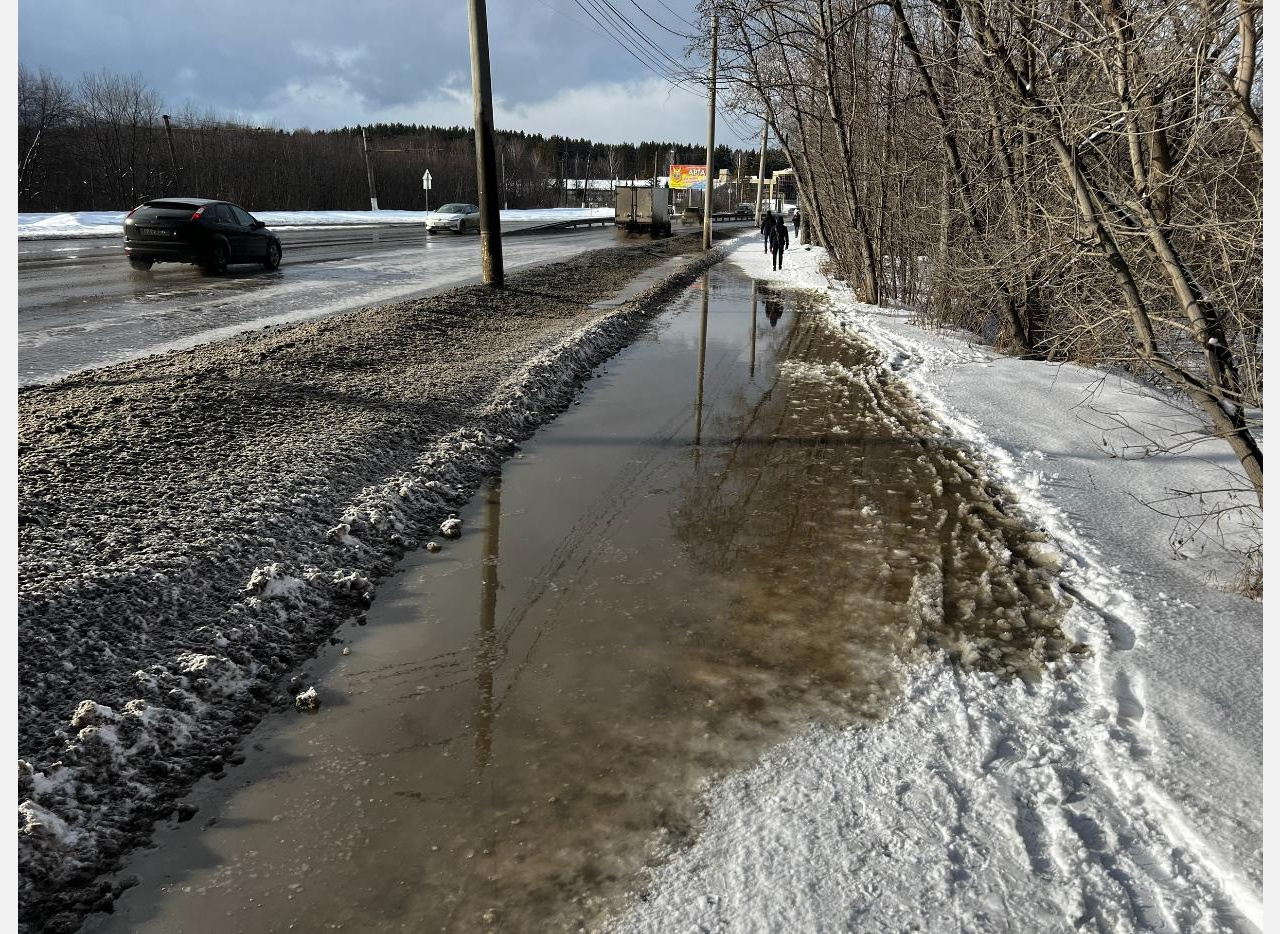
{"points": [[426, 180]]}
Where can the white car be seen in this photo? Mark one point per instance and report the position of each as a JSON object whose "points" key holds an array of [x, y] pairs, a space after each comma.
{"points": [[456, 217]]}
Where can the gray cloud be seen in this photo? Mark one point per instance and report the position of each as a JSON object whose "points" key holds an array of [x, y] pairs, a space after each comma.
{"points": [[328, 63]]}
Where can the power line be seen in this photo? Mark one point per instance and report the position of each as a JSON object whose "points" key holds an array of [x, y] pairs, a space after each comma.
{"points": [[571, 19], [653, 53], [627, 48], [619, 28], [660, 24], [677, 15], [679, 65]]}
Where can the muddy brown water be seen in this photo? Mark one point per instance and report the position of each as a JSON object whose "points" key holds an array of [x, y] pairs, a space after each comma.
{"points": [[744, 529]]}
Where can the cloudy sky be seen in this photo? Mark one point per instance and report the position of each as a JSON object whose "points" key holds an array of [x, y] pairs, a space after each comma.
{"points": [[331, 63]]}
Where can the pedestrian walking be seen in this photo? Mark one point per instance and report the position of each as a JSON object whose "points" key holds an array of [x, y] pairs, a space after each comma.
{"points": [[766, 225], [795, 219], [778, 241]]}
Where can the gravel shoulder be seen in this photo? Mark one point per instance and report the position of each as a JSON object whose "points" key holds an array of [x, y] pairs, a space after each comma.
{"points": [[193, 525]]}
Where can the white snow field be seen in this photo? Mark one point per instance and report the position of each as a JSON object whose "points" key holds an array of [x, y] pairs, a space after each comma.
{"points": [[108, 223], [1121, 793]]}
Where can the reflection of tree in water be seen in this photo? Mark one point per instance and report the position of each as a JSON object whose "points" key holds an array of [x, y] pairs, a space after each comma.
{"points": [[862, 533]]}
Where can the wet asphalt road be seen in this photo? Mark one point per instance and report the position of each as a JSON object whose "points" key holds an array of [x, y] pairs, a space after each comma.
{"points": [[80, 305]]}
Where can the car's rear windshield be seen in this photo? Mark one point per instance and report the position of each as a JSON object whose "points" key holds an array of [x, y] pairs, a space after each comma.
{"points": [[164, 210]]}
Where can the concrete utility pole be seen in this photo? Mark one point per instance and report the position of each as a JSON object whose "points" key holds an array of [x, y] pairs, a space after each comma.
{"points": [[671, 160], [368, 169], [764, 145], [711, 134], [173, 160], [486, 174], [502, 158]]}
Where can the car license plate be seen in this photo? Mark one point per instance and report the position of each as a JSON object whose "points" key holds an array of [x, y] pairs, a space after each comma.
{"points": [[155, 232]]}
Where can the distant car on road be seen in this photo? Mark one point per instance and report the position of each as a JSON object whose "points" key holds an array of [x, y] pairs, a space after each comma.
{"points": [[212, 234], [746, 209], [456, 217]]}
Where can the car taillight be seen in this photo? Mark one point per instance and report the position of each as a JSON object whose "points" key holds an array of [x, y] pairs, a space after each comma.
{"points": [[199, 211]]}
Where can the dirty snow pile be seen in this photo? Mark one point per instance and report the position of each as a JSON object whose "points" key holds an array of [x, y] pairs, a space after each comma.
{"points": [[108, 223], [193, 525], [1123, 796]]}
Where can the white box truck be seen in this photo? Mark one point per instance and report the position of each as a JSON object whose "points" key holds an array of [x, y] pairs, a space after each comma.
{"points": [[639, 207]]}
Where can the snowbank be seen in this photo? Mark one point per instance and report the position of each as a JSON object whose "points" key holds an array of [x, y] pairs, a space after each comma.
{"points": [[1124, 796], [108, 223]]}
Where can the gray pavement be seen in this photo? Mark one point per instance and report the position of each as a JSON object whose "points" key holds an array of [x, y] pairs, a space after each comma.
{"points": [[80, 305]]}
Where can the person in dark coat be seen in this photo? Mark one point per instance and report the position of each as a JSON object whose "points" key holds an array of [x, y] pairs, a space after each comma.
{"points": [[778, 241], [766, 225], [795, 219]]}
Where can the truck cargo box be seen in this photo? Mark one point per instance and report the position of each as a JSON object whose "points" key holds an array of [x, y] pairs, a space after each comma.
{"points": [[639, 208]]}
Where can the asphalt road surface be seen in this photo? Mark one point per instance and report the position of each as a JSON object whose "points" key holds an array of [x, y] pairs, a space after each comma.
{"points": [[81, 306]]}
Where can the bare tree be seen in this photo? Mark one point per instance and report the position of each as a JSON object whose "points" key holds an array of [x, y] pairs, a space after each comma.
{"points": [[1081, 180], [119, 114], [45, 103]]}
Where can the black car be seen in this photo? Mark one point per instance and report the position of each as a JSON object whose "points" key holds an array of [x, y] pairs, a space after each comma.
{"points": [[210, 233]]}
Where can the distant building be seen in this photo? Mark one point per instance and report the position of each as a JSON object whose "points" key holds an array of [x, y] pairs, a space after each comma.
{"points": [[597, 192]]}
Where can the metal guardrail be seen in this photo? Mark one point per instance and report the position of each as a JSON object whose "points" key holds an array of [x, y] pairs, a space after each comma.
{"points": [[604, 222], [561, 225]]}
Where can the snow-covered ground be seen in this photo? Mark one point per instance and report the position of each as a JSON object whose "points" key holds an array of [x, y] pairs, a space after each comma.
{"points": [[1122, 793], [108, 223]]}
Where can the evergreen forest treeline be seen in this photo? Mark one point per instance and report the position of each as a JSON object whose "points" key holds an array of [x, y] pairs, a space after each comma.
{"points": [[100, 143]]}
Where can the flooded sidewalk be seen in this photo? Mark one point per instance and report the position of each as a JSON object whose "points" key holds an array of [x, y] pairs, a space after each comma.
{"points": [[745, 528]]}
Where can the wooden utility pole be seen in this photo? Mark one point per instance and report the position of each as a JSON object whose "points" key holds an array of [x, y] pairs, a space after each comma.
{"points": [[764, 145], [173, 159], [368, 170], [486, 170], [711, 135]]}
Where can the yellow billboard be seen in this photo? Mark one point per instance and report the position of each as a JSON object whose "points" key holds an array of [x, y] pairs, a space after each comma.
{"points": [[689, 176]]}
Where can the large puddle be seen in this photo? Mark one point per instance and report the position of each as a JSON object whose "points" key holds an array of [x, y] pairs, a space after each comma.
{"points": [[744, 529]]}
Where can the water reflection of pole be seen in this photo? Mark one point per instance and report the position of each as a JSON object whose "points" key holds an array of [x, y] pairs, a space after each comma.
{"points": [[702, 361], [752, 373], [486, 650]]}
